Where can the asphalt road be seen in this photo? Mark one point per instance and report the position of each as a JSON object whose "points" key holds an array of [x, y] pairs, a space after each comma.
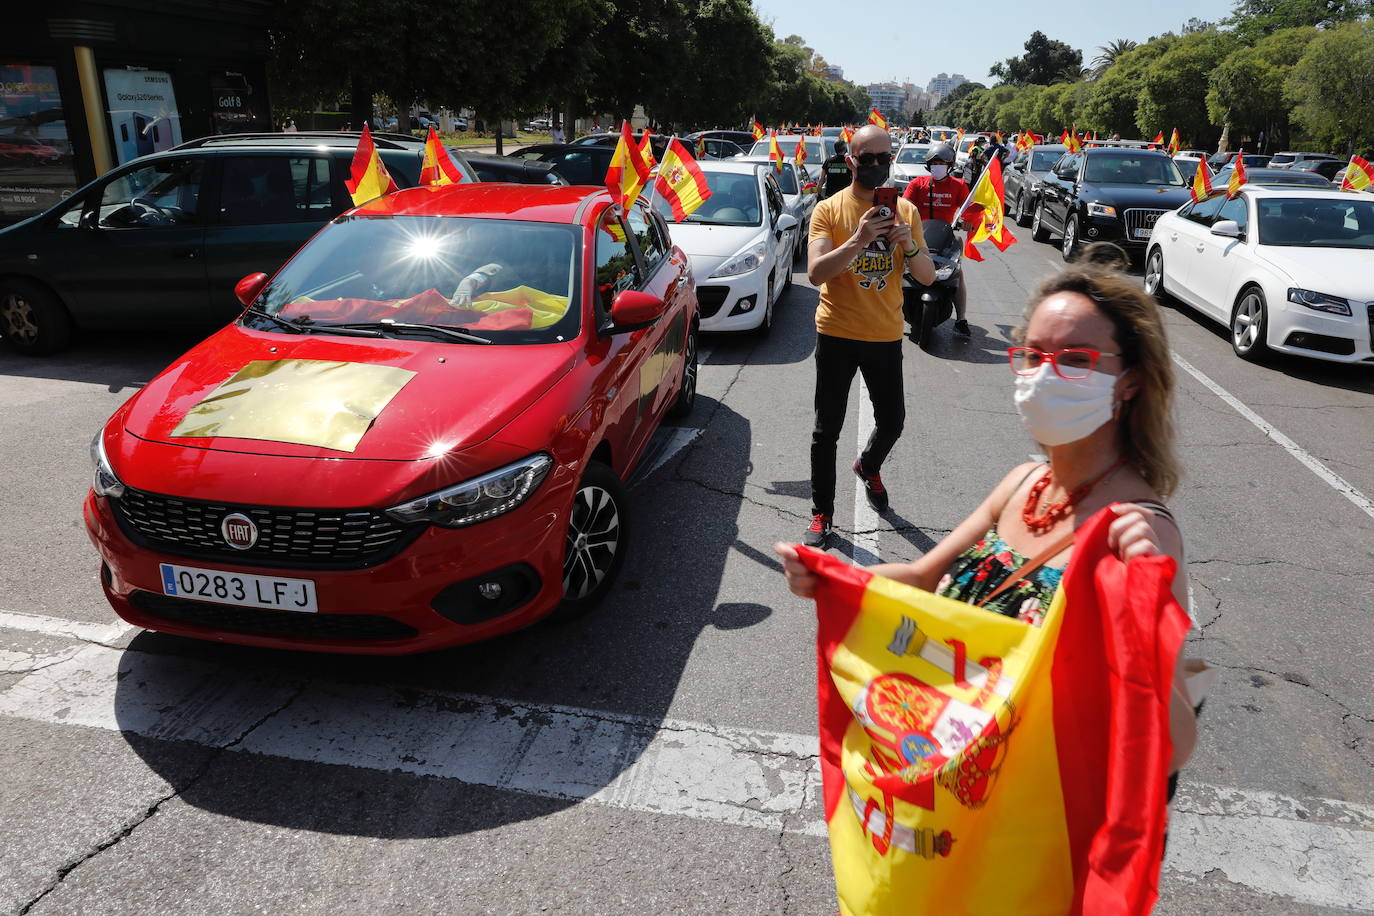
{"points": [[658, 756]]}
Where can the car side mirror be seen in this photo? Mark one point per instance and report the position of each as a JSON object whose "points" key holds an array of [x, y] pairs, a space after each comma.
{"points": [[1068, 175], [1228, 228], [633, 310], [249, 287], [787, 222]]}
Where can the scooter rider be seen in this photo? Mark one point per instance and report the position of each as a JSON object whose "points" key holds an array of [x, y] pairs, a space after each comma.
{"points": [[939, 195]]}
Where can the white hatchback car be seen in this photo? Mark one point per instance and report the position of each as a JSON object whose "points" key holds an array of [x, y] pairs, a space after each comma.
{"points": [[909, 163], [740, 242], [1285, 268]]}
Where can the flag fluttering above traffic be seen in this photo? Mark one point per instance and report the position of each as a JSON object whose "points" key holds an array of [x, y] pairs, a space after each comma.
{"points": [[369, 178], [438, 168], [628, 172], [680, 181]]}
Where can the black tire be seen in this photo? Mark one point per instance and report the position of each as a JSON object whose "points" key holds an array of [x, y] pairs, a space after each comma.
{"points": [[1069, 246], [33, 320], [787, 271], [1023, 213], [1250, 325], [597, 537], [687, 386], [927, 335], [1154, 275], [766, 324], [1039, 231]]}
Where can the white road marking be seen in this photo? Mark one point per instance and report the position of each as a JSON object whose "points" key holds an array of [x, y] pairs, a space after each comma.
{"points": [[1337, 483], [864, 547], [1314, 851], [56, 626]]}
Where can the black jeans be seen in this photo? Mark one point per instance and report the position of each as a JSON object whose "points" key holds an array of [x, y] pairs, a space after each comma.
{"points": [[837, 359]]}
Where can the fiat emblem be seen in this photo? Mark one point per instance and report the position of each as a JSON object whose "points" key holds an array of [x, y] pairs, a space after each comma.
{"points": [[238, 531]]}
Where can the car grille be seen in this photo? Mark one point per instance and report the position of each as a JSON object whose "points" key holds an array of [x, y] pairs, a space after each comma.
{"points": [[268, 622], [320, 538], [710, 299], [1140, 219]]}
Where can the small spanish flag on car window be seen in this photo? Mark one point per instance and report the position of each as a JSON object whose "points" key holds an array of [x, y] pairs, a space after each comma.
{"points": [[680, 181], [1202, 181], [628, 172], [876, 117], [1238, 176], [438, 167], [646, 148], [1359, 175], [774, 151], [800, 156], [759, 132], [369, 178]]}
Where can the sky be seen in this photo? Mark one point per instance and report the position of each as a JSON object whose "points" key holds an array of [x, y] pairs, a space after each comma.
{"points": [[880, 40]]}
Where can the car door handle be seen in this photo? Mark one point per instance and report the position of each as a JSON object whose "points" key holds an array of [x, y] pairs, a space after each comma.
{"points": [[1201, 249], [1173, 236]]}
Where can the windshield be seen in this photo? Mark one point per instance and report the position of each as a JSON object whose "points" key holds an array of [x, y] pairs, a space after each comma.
{"points": [[1127, 168], [1043, 161], [508, 281], [909, 154], [815, 150], [1316, 222], [734, 201], [1281, 158]]}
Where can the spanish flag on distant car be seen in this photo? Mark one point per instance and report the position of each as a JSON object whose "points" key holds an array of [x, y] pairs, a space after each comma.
{"points": [[701, 147], [799, 157], [989, 194], [1174, 143], [759, 132], [1202, 182], [438, 167], [680, 181], [774, 151], [369, 177], [628, 171], [1238, 176], [646, 148], [847, 134], [1158, 140], [1359, 175], [876, 117], [976, 763]]}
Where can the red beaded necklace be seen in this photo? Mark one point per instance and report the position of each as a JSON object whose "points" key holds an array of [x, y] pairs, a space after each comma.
{"points": [[1039, 524]]}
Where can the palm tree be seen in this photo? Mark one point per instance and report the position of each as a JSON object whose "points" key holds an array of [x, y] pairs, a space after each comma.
{"points": [[1072, 74], [1110, 52]]}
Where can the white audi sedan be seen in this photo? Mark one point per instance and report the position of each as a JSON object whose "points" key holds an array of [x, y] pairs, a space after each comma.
{"points": [[1285, 268], [740, 242]]}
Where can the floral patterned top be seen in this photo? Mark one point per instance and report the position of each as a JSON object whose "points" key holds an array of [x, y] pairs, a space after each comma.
{"points": [[981, 568]]}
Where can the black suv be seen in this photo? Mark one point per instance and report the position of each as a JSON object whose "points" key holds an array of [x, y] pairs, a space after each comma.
{"points": [[1107, 195], [163, 238]]}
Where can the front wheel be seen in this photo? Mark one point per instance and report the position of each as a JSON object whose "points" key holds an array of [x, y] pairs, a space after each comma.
{"points": [[1039, 231], [1069, 248], [1154, 275], [596, 540], [1248, 325], [1023, 213]]}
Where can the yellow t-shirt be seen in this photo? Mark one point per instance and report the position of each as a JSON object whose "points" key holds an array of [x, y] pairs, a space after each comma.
{"points": [[865, 301]]}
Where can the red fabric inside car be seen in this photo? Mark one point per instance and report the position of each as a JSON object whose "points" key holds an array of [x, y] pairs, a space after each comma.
{"points": [[428, 307]]}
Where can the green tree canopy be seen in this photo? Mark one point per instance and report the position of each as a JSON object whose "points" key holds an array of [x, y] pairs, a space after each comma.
{"points": [[1045, 61], [1253, 19], [1332, 86], [1174, 91], [1245, 91], [1112, 102]]}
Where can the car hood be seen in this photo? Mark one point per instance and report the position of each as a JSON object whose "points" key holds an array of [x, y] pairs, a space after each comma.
{"points": [[459, 395], [1126, 196], [708, 246], [1336, 271]]}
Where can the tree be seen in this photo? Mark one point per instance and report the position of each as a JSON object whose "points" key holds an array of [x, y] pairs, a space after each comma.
{"points": [[1044, 60], [1332, 86], [1245, 91], [1112, 102], [1253, 19], [1109, 53], [1174, 91], [950, 111]]}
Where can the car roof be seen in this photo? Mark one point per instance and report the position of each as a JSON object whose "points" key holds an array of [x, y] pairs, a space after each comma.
{"points": [[335, 138], [1300, 191], [740, 165], [1275, 176], [489, 200]]}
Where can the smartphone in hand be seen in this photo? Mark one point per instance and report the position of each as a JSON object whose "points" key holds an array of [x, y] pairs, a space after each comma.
{"points": [[886, 197]]}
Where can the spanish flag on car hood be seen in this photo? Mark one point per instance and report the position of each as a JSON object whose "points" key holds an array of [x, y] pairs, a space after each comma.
{"points": [[975, 763]]}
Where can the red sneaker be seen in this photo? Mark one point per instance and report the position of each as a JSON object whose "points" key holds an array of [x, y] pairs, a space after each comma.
{"points": [[818, 535], [873, 488]]}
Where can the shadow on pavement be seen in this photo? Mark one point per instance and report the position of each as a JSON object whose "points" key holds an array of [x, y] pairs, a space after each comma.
{"points": [[792, 338], [625, 659], [120, 360], [979, 347]]}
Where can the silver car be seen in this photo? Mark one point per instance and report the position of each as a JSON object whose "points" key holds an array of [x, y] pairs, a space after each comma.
{"points": [[798, 196], [910, 163]]}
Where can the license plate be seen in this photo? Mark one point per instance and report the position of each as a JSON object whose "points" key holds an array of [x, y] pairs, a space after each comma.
{"points": [[241, 589], [1142, 233]]}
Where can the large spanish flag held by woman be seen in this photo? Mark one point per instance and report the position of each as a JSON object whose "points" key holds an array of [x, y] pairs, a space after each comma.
{"points": [[973, 763]]}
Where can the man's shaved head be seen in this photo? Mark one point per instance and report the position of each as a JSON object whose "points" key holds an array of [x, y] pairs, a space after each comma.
{"points": [[870, 139]]}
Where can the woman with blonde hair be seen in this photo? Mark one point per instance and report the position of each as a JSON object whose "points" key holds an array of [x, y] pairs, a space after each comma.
{"points": [[1094, 387]]}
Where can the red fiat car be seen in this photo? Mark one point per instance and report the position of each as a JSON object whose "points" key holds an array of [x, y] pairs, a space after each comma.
{"points": [[414, 436]]}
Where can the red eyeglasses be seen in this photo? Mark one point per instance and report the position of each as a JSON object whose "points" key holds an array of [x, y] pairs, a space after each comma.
{"points": [[1072, 364]]}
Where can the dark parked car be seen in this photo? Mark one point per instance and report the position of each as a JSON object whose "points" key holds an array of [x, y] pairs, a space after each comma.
{"points": [[1022, 178], [1227, 160], [578, 163], [508, 168], [1289, 158], [1107, 195], [1326, 168], [741, 138], [164, 238], [1273, 177], [717, 149], [657, 142]]}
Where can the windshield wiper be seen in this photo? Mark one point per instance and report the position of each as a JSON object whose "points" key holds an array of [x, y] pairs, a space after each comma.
{"points": [[289, 325], [384, 325]]}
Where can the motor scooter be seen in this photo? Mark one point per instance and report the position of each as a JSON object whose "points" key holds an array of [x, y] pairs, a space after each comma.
{"points": [[926, 307]]}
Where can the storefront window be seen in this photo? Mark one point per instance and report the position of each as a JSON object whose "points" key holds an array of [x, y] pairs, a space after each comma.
{"points": [[36, 168], [143, 112], [234, 109]]}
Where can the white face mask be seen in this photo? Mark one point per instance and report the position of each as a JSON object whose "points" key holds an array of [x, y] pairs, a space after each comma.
{"points": [[938, 172], [1057, 411]]}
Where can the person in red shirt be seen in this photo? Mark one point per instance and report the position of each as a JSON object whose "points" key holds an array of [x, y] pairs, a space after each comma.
{"points": [[939, 195]]}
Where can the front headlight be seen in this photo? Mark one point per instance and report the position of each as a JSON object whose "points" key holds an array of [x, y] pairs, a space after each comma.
{"points": [[478, 499], [1319, 301], [944, 273], [1096, 209], [105, 483], [743, 262]]}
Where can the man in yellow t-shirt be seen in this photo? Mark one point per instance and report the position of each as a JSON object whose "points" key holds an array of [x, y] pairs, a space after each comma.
{"points": [[856, 255]]}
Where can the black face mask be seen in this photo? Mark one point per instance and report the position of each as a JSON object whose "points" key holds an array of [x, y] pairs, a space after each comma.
{"points": [[873, 176]]}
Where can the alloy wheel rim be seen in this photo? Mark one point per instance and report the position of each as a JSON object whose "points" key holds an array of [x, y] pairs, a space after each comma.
{"points": [[1245, 329], [19, 320], [1039, 213], [1070, 231], [689, 370], [1153, 270], [593, 541]]}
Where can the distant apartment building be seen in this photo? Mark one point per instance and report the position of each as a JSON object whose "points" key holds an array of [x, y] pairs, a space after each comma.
{"points": [[887, 96], [944, 84], [834, 72]]}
